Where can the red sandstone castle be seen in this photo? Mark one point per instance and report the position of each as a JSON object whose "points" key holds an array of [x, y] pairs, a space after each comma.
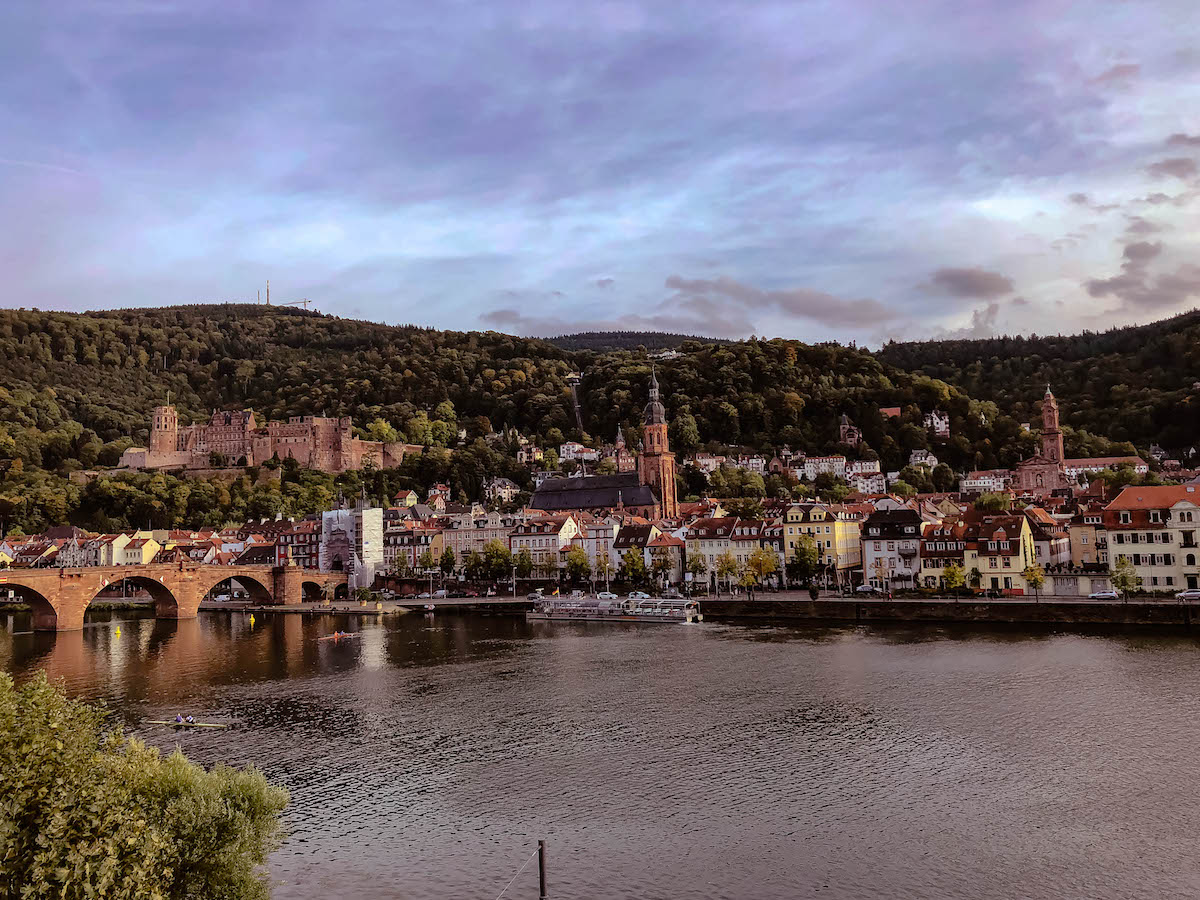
{"points": [[315, 442]]}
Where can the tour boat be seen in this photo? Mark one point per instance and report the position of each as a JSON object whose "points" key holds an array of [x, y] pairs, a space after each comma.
{"points": [[568, 609]]}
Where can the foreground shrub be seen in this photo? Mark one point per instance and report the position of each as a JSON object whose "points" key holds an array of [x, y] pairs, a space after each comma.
{"points": [[88, 813]]}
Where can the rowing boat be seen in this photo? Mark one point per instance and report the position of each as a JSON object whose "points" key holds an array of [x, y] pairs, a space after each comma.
{"points": [[338, 637], [185, 724]]}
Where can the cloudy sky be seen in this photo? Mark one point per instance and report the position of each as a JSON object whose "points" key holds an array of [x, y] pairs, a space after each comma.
{"points": [[850, 170]]}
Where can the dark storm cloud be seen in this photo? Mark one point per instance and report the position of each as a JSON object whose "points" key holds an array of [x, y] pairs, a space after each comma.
{"points": [[977, 283]]}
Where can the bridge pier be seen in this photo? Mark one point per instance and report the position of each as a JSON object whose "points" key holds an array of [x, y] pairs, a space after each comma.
{"points": [[288, 589]]}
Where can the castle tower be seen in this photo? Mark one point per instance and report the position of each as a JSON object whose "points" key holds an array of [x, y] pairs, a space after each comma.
{"points": [[656, 466], [1052, 439], [164, 430]]}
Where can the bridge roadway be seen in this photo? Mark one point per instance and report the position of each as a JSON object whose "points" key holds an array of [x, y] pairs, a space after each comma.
{"points": [[59, 598]]}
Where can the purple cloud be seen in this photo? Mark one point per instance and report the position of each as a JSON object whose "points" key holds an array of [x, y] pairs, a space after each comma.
{"points": [[978, 283], [1176, 167]]}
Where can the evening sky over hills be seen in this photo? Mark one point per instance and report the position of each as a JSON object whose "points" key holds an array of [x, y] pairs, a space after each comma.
{"points": [[846, 170]]}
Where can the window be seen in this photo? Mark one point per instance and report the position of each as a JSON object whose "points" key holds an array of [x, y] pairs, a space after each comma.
{"points": [[991, 545], [1124, 517], [991, 562], [1120, 537], [1154, 581], [1155, 516], [1166, 537], [1083, 539], [891, 545], [1170, 580]]}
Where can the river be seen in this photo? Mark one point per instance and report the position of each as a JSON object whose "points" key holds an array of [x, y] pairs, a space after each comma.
{"points": [[427, 757]]}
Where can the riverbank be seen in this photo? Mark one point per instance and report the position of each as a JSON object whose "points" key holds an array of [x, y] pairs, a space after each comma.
{"points": [[801, 608]]}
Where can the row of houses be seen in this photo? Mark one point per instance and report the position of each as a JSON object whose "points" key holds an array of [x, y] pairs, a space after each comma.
{"points": [[68, 547]]}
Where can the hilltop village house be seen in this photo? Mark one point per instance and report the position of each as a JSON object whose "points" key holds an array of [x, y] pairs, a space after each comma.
{"points": [[236, 438]]}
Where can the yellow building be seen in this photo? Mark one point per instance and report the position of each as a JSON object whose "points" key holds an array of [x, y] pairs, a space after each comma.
{"points": [[139, 552], [834, 528]]}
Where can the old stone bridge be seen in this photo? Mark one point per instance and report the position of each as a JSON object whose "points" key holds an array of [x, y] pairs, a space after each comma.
{"points": [[60, 597]]}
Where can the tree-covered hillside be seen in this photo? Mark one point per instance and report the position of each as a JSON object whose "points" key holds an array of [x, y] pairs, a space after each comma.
{"points": [[76, 389], [1133, 384], [601, 341]]}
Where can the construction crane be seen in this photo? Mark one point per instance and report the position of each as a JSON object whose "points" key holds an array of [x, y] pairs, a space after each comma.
{"points": [[303, 302]]}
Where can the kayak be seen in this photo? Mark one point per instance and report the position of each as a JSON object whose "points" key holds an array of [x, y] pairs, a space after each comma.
{"points": [[186, 724]]}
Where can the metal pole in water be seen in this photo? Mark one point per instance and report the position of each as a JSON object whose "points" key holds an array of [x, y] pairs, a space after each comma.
{"points": [[542, 870]]}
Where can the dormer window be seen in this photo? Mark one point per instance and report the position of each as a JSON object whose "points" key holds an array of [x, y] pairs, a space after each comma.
{"points": [[1124, 517], [1155, 516]]}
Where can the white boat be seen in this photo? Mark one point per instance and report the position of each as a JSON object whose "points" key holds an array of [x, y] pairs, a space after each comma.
{"points": [[589, 609]]}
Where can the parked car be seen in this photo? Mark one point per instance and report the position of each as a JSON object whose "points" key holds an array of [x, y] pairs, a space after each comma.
{"points": [[470, 593], [868, 589], [607, 595], [1189, 594], [424, 596], [439, 594], [535, 595], [638, 595], [1104, 595]]}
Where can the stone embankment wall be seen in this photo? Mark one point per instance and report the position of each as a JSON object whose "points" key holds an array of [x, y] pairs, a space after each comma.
{"points": [[866, 611]]}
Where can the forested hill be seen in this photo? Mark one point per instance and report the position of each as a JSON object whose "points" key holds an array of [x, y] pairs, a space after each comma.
{"points": [[77, 389], [601, 341], [1132, 384]]}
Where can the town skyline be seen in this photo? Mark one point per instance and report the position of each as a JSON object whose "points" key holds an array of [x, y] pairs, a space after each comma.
{"points": [[782, 172]]}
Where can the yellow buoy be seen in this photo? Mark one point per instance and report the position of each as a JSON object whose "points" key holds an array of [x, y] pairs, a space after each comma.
{"points": [[251, 620], [118, 633]]}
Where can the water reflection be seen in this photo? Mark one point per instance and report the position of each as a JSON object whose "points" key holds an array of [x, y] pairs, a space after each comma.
{"points": [[426, 757]]}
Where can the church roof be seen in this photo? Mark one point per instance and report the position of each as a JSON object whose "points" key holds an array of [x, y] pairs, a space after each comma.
{"points": [[592, 492]]}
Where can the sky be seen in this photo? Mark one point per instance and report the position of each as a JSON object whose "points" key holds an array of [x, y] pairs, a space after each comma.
{"points": [[857, 170]]}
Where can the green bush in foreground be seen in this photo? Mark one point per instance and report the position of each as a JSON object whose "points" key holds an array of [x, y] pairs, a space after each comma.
{"points": [[87, 813]]}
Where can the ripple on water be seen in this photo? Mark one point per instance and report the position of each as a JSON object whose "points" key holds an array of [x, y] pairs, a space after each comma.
{"points": [[425, 760]]}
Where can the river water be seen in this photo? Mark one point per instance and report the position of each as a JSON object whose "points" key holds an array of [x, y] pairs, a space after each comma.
{"points": [[427, 757]]}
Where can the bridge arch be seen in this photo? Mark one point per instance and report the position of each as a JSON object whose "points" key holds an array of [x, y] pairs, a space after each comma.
{"points": [[261, 590], [166, 604], [314, 591], [45, 616]]}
